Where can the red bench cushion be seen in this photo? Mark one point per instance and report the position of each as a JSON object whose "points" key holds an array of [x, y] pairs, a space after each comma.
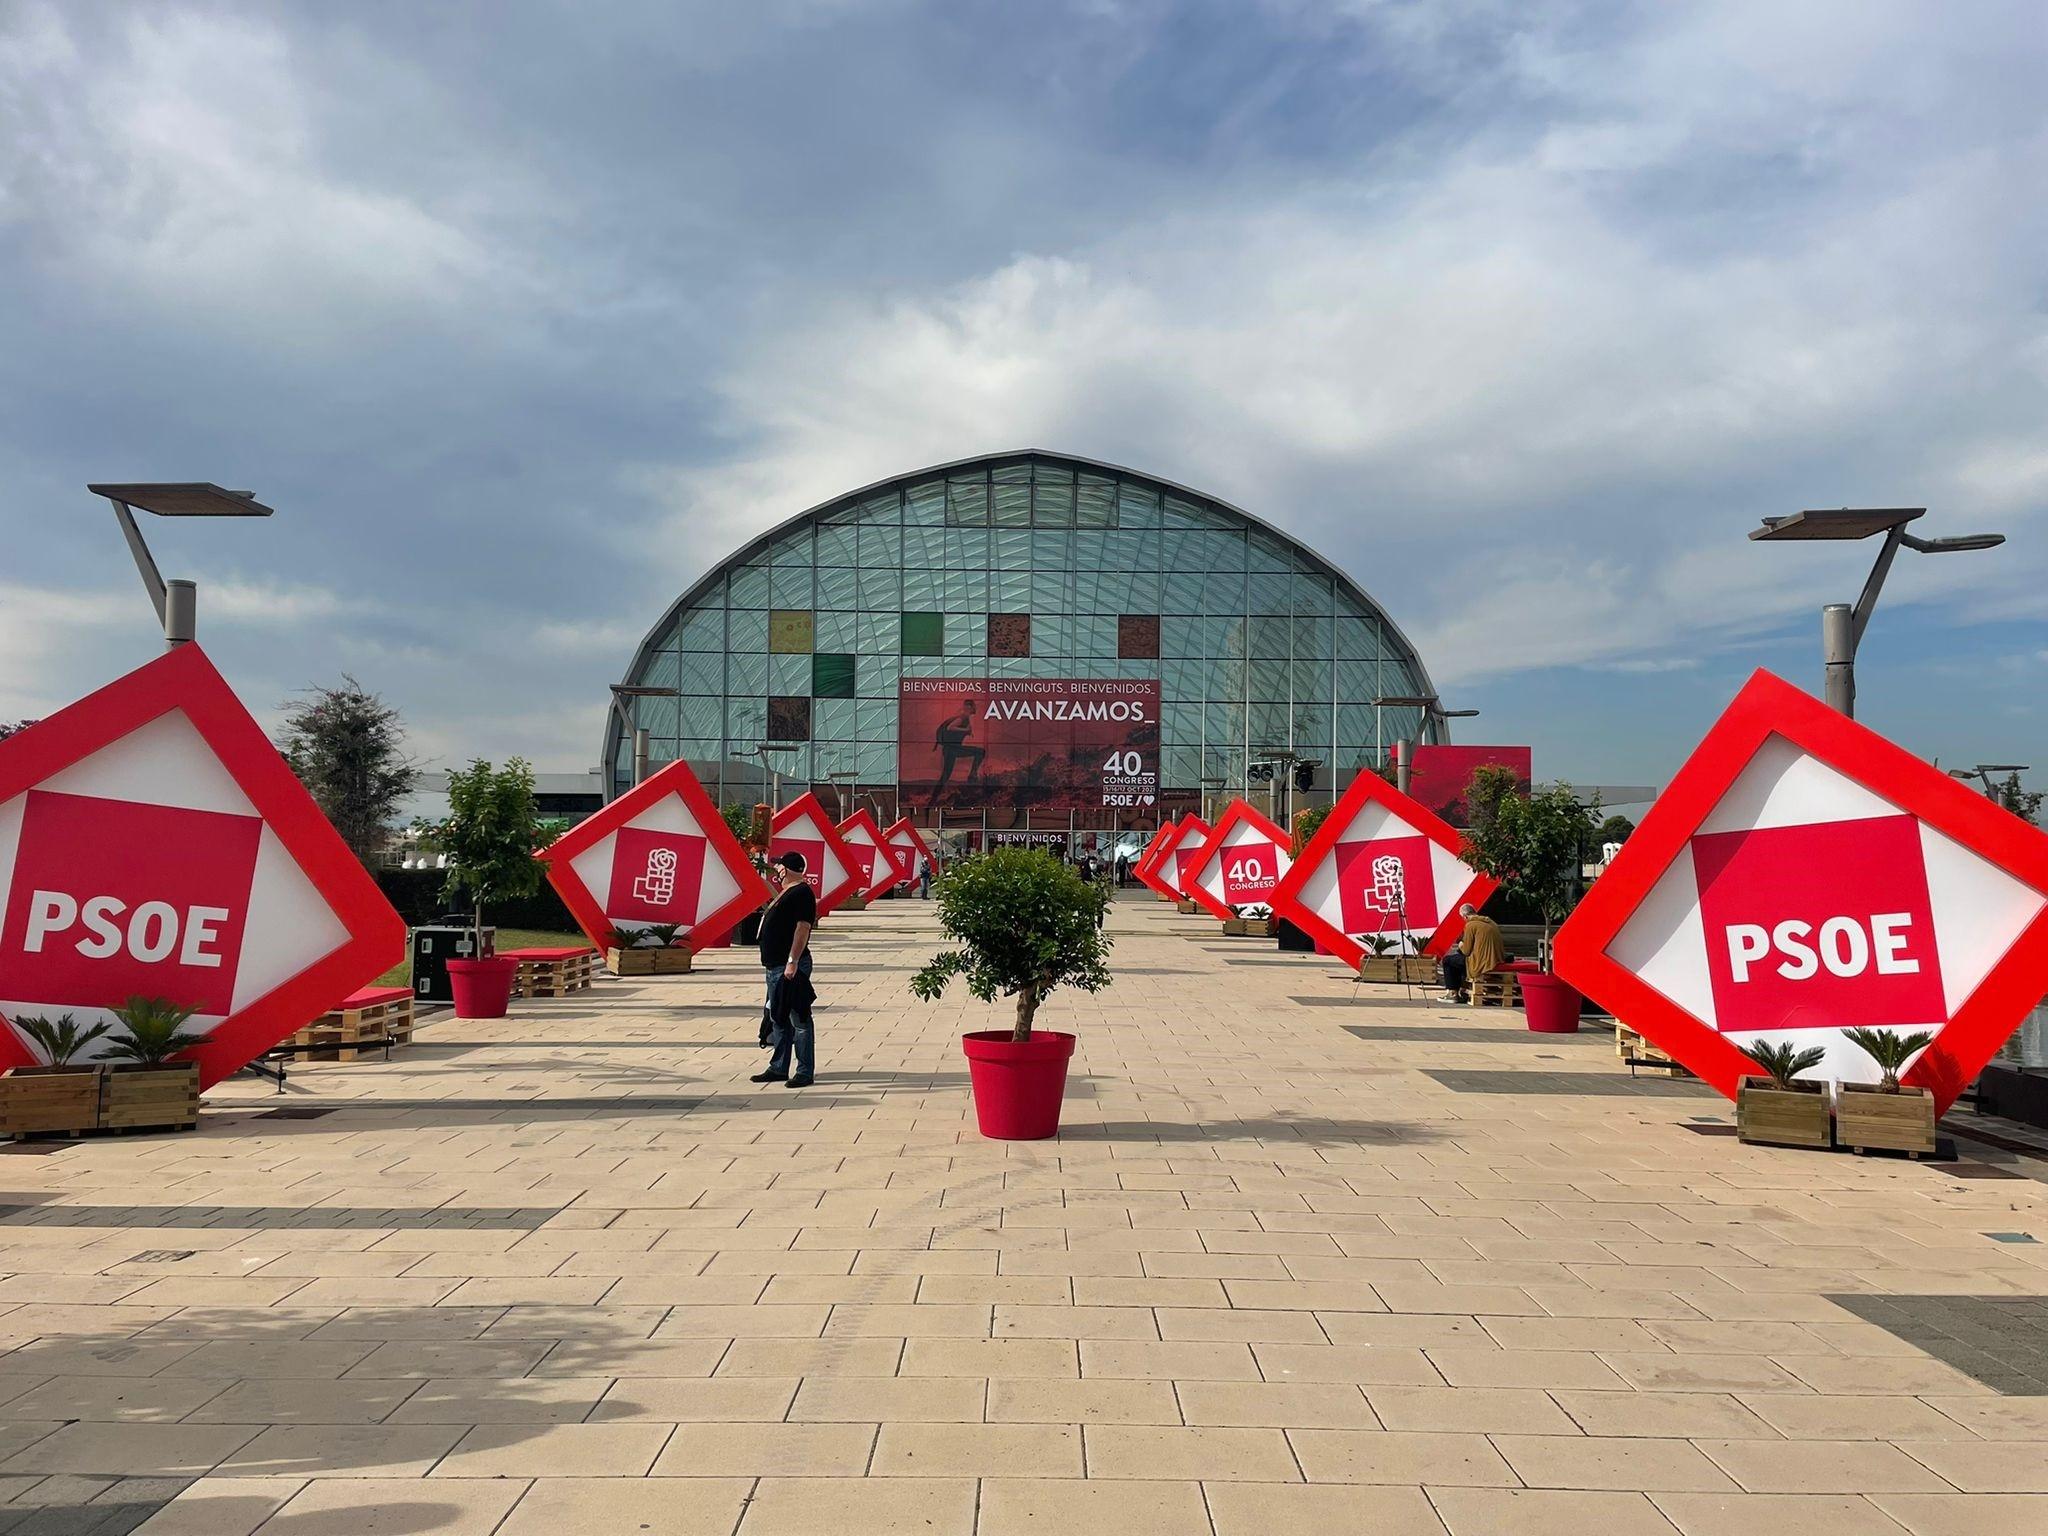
{"points": [[371, 996]]}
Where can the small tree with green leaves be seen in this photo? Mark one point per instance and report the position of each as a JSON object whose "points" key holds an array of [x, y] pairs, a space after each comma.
{"points": [[490, 836], [1026, 924], [59, 1042], [1532, 841], [1890, 1051], [348, 748], [1785, 1061], [1307, 822], [1615, 829], [156, 1032], [739, 820], [2023, 803]]}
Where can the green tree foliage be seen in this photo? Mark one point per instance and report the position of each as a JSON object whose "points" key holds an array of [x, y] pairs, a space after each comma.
{"points": [[2023, 803], [1307, 822], [1784, 1062], [1025, 924], [1890, 1051], [156, 1032], [1615, 829], [739, 820], [490, 835], [348, 748], [1533, 841], [61, 1041]]}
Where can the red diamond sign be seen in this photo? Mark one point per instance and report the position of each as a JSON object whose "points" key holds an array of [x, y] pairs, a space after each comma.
{"points": [[153, 843], [1382, 863], [1802, 876], [803, 827], [658, 854], [910, 847], [1239, 864], [876, 862], [1148, 860]]}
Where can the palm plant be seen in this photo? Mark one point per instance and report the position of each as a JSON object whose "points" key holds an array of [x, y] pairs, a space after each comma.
{"points": [[1890, 1051], [156, 1032], [1784, 1061], [61, 1041], [1379, 943]]}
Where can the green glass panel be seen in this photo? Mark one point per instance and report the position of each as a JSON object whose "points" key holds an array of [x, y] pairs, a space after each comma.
{"points": [[1011, 491], [967, 502], [701, 671], [924, 634], [1095, 505], [925, 503], [832, 675], [789, 586]]}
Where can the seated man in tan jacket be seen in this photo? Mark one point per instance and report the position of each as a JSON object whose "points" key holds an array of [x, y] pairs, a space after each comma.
{"points": [[1480, 947]]}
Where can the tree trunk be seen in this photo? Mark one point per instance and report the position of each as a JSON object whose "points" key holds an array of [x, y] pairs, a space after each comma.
{"points": [[1027, 1009]]}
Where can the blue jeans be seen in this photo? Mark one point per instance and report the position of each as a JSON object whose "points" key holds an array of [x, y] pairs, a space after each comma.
{"points": [[792, 1028]]}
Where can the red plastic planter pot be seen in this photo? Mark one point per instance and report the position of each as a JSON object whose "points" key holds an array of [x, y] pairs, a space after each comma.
{"points": [[1017, 1087], [483, 988], [1552, 1005]]}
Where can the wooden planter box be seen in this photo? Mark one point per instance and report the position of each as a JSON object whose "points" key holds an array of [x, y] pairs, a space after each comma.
{"points": [[1867, 1116], [1187, 906], [1781, 1117], [150, 1098], [854, 903], [1417, 970], [674, 961], [47, 1100]]}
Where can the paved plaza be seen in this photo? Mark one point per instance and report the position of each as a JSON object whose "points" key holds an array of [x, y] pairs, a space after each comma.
{"points": [[1309, 1258]]}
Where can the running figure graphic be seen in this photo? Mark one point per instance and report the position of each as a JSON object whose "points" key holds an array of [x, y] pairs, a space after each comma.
{"points": [[951, 738]]}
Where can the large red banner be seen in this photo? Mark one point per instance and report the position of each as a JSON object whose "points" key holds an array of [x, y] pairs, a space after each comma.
{"points": [[1028, 743]]}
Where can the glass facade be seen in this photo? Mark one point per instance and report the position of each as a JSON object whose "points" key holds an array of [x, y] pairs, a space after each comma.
{"points": [[1020, 566]]}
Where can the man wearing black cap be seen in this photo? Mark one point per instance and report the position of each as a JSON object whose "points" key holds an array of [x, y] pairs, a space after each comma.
{"points": [[786, 958]]}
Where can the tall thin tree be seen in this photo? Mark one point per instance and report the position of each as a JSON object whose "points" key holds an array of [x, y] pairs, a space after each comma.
{"points": [[348, 748]]}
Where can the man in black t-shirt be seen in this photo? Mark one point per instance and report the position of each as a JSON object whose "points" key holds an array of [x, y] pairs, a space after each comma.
{"points": [[786, 961]]}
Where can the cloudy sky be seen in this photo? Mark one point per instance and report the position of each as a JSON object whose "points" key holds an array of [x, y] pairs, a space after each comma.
{"points": [[521, 314]]}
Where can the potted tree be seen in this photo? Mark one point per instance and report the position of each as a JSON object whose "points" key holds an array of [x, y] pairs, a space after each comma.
{"points": [[1026, 924], [142, 1088], [57, 1096], [1886, 1114], [492, 830], [1534, 843], [1777, 1110]]}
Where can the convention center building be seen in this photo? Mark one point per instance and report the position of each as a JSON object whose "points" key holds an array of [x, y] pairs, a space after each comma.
{"points": [[1025, 644]]}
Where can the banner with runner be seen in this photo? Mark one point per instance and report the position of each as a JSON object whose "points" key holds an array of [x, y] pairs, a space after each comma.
{"points": [[1028, 743]]}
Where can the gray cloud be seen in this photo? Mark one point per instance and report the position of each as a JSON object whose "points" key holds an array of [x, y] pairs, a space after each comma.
{"points": [[522, 315]]}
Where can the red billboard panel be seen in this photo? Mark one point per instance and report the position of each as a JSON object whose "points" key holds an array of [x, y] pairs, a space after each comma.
{"points": [[154, 844], [1441, 775], [1028, 743], [1802, 876]]}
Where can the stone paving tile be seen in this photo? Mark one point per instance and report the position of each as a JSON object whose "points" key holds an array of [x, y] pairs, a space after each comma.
{"points": [[365, 1506], [1346, 1282]]}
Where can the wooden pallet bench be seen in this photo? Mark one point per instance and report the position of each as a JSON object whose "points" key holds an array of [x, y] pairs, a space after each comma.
{"points": [[552, 972], [1497, 989], [375, 1018], [1634, 1052]]}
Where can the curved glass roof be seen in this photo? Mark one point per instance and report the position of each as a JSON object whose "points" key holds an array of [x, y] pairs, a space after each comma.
{"points": [[1028, 564]]}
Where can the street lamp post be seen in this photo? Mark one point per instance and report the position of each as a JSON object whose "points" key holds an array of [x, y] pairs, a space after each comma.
{"points": [[775, 773], [630, 725], [1432, 707], [176, 601], [1983, 771], [1841, 627]]}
